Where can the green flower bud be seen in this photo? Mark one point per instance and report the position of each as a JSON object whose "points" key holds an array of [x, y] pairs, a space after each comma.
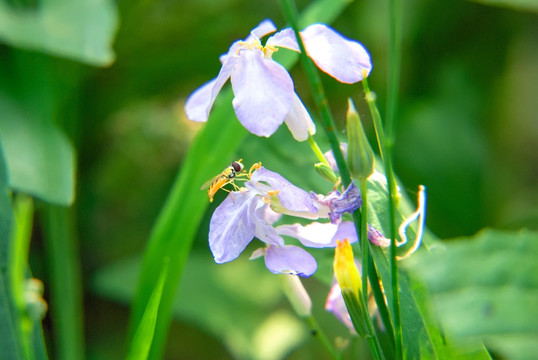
{"points": [[360, 156], [326, 171]]}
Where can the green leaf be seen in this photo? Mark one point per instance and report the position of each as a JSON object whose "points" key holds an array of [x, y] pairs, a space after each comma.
{"points": [[142, 339], [82, 30], [422, 337], [486, 289], [40, 158], [523, 5]]}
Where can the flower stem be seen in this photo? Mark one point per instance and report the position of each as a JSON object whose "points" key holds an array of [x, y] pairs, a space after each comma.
{"points": [[318, 93], [318, 332], [394, 60], [317, 150]]}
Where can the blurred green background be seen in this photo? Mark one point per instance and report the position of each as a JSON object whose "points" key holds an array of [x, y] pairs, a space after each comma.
{"points": [[467, 129]]}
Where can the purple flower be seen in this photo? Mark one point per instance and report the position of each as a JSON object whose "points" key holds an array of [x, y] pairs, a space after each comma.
{"points": [[245, 214], [263, 89], [339, 203]]}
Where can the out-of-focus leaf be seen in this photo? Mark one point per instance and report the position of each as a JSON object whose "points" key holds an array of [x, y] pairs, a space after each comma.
{"points": [[525, 5], [82, 30], [422, 338], [8, 331], [486, 289], [39, 157], [221, 300]]}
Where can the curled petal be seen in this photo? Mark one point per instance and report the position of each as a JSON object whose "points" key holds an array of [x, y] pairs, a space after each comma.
{"points": [[343, 59], [376, 237], [290, 196], [264, 28], [200, 102], [290, 260], [299, 121], [263, 92], [264, 231], [316, 235], [320, 235], [284, 38], [232, 227]]}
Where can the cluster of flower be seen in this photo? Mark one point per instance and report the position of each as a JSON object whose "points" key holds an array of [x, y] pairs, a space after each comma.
{"points": [[264, 98]]}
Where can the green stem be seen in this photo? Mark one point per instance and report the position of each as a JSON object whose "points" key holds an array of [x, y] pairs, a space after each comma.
{"points": [[318, 93], [394, 60], [317, 151], [23, 210], [318, 332]]}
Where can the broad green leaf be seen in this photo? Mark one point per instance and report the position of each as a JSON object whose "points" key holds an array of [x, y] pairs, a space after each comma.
{"points": [[486, 289], [82, 30], [422, 337], [39, 157], [139, 348], [178, 222], [524, 5]]}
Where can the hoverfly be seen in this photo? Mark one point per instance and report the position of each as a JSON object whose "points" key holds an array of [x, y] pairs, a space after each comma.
{"points": [[226, 177]]}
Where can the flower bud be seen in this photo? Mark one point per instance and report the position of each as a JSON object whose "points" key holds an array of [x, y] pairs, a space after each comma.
{"points": [[349, 280], [326, 171], [360, 156]]}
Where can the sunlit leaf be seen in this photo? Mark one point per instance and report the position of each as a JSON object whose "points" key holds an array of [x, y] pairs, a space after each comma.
{"points": [[486, 289], [82, 30]]}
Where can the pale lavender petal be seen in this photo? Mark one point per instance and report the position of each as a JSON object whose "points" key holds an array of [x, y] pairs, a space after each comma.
{"points": [[290, 260], [316, 235], [263, 231], [232, 226], [270, 216], [342, 58], [200, 102], [330, 156], [336, 304], [259, 252], [376, 237], [284, 38], [290, 196], [263, 92], [346, 230], [264, 28], [320, 235], [299, 121]]}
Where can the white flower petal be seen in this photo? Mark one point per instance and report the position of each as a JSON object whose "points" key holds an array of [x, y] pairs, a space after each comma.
{"points": [[200, 102], [264, 28], [341, 58], [284, 38], [263, 92], [299, 121]]}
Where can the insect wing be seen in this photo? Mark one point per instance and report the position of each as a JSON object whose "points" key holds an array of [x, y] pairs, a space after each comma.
{"points": [[209, 182]]}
